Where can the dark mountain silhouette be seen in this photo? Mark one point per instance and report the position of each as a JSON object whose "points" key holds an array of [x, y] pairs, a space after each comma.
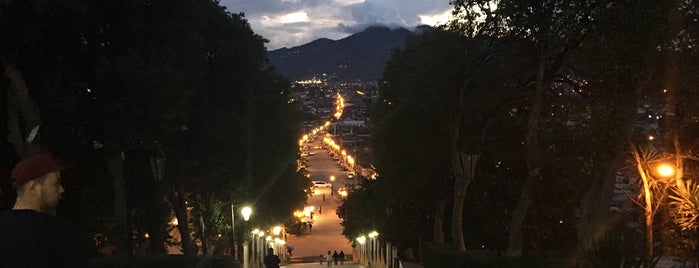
{"points": [[361, 56]]}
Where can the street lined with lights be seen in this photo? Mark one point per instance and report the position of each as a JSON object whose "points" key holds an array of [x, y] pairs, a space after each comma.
{"points": [[326, 231], [320, 212]]}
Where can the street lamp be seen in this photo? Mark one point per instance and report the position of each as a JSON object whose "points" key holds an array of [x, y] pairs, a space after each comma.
{"points": [[362, 254], [276, 230], [259, 248], [253, 258], [374, 246], [246, 212], [665, 170]]}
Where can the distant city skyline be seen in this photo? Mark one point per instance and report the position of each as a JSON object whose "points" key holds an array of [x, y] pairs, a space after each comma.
{"points": [[289, 23]]}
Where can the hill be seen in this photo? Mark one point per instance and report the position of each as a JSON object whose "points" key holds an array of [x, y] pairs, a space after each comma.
{"points": [[361, 56]]}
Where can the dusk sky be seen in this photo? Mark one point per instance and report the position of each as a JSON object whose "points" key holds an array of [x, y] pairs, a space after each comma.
{"points": [[289, 23]]}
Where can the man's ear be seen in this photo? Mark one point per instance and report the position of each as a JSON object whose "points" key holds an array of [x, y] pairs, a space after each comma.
{"points": [[31, 185]]}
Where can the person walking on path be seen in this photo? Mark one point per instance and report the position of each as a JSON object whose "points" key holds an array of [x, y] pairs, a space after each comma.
{"points": [[271, 260], [310, 228], [30, 233], [336, 257], [323, 198], [329, 258], [342, 257]]}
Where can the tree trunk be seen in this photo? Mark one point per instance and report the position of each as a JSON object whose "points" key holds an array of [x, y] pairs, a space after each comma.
{"points": [[157, 245], [440, 209], [115, 167], [204, 241], [22, 112], [457, 232], [461, 181], [531, 141], [179, 205], [155, 224], [467, 165], [672, 119]]}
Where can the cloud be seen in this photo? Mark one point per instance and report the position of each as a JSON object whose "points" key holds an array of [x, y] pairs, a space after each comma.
{"points": [[288, 23], [353, 29], [402, 12]]}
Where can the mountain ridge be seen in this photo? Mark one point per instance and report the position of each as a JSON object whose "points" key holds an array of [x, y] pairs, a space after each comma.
{"points": [[358, 57]]}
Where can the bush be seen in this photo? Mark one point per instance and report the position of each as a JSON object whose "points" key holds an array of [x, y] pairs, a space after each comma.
{"points": [[169, 261], [440, 256]]}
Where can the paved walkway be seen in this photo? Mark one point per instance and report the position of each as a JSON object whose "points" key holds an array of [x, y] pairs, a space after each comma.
{"points": [[326, 232], [327, 229], [317, 265]]}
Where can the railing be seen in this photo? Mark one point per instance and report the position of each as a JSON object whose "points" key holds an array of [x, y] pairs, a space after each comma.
{"points": [[371, 253]]}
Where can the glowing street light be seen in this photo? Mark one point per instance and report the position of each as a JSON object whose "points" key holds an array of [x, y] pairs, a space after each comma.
{"points": [[277, 230], [246, 212], [665, 170]]}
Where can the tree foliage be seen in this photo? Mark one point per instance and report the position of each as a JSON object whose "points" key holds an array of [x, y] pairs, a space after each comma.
{"points": [[141, 80], [595, 63]]}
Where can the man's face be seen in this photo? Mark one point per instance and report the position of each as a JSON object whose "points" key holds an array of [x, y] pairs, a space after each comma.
{"points": [[50, 191]]}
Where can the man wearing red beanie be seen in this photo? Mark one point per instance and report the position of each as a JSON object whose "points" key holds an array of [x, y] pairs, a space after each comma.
{"points": [[30, 233]]}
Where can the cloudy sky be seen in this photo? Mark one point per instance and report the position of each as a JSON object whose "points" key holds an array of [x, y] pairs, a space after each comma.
{"points": [[289, 23]]}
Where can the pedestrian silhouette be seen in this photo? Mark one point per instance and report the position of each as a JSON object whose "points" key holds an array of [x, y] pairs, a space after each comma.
{"points": [[336, 257], [310, 228], [271, 260], [329, 258], [342, 257], [323, 198], [320, 210]]}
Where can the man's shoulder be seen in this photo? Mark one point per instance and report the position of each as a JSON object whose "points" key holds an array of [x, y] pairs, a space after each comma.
{"points": [[25, 218], [25, 214]]}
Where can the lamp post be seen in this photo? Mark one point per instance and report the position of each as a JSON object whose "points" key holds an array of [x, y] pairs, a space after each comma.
{"points": [[246, 211], [257, 248], [280, 242], [235, 245], [374, 247], [361, 257]]}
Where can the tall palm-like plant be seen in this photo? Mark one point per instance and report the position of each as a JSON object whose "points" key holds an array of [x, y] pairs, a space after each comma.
{"points": [[684, 205], [654, 189]]}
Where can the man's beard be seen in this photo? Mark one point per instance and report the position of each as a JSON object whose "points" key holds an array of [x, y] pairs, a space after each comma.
{"points": [[48, 207]]}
